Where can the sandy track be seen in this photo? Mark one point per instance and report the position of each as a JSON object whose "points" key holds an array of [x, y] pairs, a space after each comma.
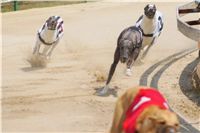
{"points": [[181, 97], [61, 96]]}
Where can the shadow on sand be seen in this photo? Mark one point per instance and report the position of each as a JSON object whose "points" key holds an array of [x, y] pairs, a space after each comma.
{"points": [[36, 62], [29, 69], [111, 91], [185, 82]]}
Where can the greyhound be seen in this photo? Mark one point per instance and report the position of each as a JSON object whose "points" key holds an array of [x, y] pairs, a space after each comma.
{"points": [[49, 35], [143, 109], [128, 48], [151, 25]]}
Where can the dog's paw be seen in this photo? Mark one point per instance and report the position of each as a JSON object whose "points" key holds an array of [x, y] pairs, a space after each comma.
{"points": [[37, 61], [128, 72], [48, 57], [103, 92]]}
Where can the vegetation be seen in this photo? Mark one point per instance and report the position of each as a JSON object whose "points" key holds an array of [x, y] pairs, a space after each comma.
{"points": [[22, 5]]}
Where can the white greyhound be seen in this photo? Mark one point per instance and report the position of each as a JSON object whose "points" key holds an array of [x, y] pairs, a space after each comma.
{"points": [[49, 35], [151, 25]]}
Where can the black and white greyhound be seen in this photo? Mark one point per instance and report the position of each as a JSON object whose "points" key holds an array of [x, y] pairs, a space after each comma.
{"points": [[48, 36], [151, 25], [135, 39]]}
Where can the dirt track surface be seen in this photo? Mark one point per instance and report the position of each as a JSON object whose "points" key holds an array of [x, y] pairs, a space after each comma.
{"points": [[61, 96]]}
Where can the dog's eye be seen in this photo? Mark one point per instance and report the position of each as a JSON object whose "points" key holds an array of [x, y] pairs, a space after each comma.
{"points": [[162, 122], [176, 125]]}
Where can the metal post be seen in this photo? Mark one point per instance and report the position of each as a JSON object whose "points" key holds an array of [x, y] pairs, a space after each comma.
{"points": [[15, 5]]}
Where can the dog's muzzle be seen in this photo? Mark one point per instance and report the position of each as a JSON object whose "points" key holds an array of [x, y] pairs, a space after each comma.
{"points": [[52, 26], [123, 60], [167, 129], [52, 23], [150, 13]]}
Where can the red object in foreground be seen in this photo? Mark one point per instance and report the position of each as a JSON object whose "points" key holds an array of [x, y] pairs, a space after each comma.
{"points": [[145, 98]]}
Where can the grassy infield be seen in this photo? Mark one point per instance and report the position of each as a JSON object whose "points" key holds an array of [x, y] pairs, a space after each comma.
{"points": [[22, 5]]}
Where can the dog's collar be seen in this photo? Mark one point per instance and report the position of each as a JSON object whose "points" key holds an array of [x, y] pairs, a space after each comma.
{"points": [[146, 35], [51, 29], [43, 41]]}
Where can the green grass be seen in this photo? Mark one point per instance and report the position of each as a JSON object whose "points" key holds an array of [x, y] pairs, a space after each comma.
{"points": [[22, 5]]}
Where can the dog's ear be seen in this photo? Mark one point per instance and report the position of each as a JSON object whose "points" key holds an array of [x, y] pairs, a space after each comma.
{"points": [[49, 19], [146, 7], [154, 6]]}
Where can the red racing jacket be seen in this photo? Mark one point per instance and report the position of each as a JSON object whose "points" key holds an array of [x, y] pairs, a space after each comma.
{"points": [[145, 98]]}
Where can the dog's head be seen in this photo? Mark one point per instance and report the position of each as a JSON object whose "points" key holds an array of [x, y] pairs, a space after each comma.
{"points": [[125, 50], [52, 22], [150, 10], [159, 121]]}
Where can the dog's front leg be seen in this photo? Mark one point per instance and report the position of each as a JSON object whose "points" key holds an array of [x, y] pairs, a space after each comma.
{"points": [[118, 118], [51, 50], [144, 54], [36, 48], [131, 60], [111, 72], [45, 50]]}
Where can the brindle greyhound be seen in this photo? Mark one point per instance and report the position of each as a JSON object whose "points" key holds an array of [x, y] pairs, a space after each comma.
{"points": [[128, 47]]}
